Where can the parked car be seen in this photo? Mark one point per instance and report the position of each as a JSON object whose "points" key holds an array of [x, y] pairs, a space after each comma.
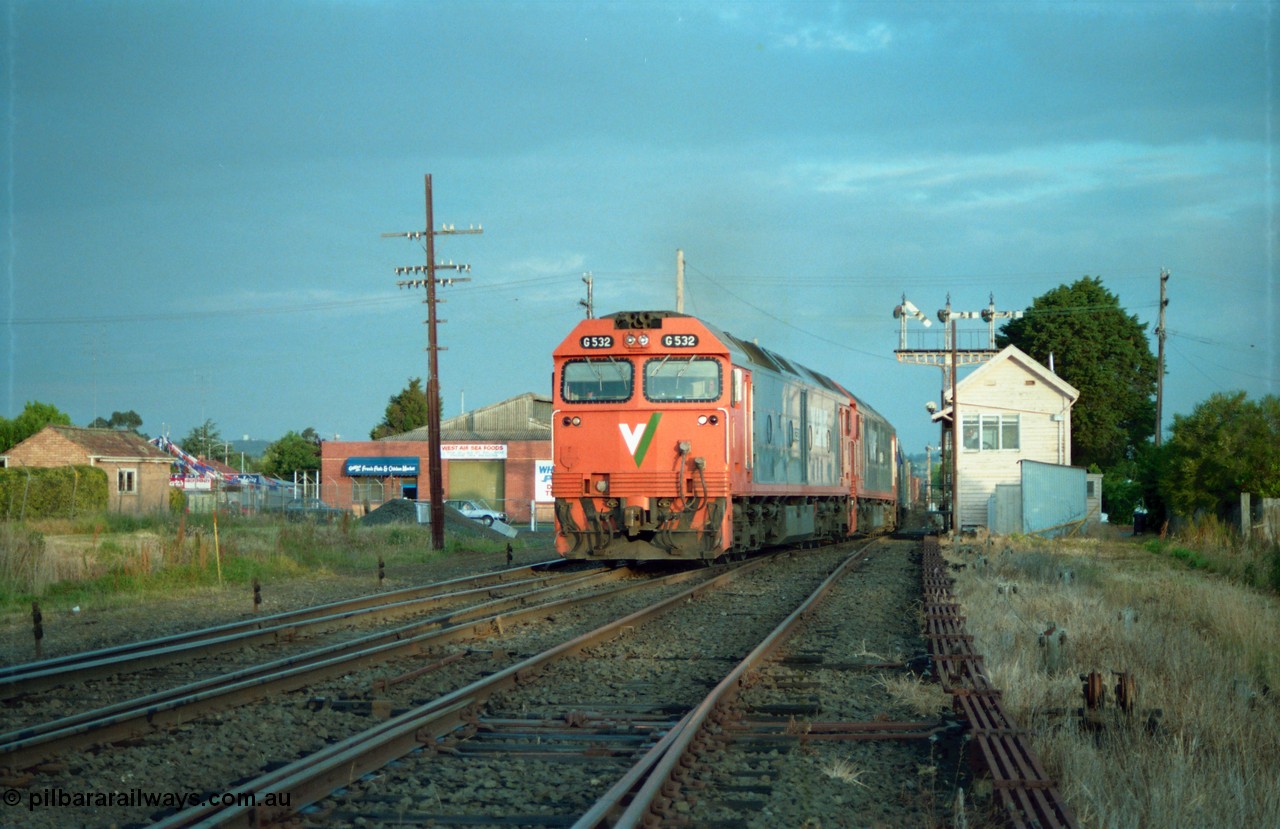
{"points": [[311, 509], [477, 511]]}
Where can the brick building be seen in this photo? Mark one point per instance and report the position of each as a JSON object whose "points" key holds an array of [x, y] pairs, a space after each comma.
{"points": [[500, 454], [137, 472]]}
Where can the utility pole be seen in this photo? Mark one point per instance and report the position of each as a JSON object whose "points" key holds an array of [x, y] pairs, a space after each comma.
{"points": [[928, 477], [679, 280], [955, 422], [590, 302], [1160, 335], [429, 281]]}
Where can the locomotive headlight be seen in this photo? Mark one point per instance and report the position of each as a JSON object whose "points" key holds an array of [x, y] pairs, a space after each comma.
{"points": [[631, 339], [644, 339], [702, 420], [577, 421], [602, 485]]}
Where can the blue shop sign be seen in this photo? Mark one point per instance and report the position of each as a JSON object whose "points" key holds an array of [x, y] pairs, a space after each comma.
{"points": [[381, 467]]}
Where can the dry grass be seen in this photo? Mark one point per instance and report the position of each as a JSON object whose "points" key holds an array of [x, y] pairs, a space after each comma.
{"points": [[846, 771], [114, 560], [1202, 650], [908, 691]]}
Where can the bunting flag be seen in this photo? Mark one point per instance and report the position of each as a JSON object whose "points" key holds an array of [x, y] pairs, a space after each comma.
{"points": [[191, 465]]}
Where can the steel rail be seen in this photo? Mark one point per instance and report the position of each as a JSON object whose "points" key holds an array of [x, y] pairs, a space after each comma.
{"points": [[1030, 797], [663, 778], [27, 746], [31, 677], [314, 777]]}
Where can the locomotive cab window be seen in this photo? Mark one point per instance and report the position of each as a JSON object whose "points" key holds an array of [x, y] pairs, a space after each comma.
{"points": [[597, 380], [686, 379]]}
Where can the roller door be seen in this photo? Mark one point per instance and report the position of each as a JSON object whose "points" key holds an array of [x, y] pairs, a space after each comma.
{"points": [[479, 479]]}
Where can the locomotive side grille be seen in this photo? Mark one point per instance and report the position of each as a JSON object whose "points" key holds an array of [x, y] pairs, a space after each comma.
{"points": [[632, 484]]}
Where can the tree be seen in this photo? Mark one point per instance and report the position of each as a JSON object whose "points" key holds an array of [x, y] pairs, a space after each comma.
{"points": [[406, 411], [34, 417], [1227, 446], [295, 452], [1104, 353], [202, 440], [129, 420]]}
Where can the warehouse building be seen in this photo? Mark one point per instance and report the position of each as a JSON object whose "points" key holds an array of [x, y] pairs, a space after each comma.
{"points": [[499, 454]]}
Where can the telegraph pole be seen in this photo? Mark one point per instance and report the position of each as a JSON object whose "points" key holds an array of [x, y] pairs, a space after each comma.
{"points": [[955, 420], [429, 281], [1160, 335], [590, 302], [679, 280], [928, 477]]}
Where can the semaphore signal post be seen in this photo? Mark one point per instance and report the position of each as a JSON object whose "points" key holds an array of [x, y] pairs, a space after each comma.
{"points": [[949, 357]]}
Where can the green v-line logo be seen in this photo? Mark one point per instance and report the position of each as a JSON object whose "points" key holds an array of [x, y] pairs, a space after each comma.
{"points": [[639, 437]]}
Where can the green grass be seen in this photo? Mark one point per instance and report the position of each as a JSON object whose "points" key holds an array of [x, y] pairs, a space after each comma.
{"points": [[1189, 557], [112, 559], [1251, 564]]}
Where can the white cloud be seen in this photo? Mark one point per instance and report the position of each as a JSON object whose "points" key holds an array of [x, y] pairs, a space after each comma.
{"points": [[815, 38], [568, 263], [784, 29], [1026, 175]]}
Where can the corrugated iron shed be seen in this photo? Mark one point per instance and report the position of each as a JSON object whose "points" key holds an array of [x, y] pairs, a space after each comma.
{"points": [[526, 417]]}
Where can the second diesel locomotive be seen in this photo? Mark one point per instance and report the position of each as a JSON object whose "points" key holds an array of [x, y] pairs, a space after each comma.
{"points": [[673, 439]]}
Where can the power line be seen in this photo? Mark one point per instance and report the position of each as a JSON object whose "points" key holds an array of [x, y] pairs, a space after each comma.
{"points": [[778, 319], [1209, 341], [1221, 367]]}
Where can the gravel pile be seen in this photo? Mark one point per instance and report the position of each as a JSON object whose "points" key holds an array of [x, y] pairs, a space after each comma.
{"points": [[404, 511]]}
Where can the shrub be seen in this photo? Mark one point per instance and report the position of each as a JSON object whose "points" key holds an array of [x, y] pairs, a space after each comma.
{"points": [[64, 491]]}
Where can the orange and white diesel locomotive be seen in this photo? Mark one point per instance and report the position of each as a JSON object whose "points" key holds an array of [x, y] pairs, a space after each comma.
{"points": [[673, 439]]}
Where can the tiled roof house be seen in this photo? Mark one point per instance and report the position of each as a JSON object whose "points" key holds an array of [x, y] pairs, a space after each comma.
{"points": [[137, 472]]}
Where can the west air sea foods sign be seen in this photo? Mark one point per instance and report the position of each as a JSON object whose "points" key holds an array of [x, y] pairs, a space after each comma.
{"points": [[381, 467]]}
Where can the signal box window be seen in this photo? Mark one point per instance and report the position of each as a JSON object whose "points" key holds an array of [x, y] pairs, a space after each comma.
{"points": [[991, 432], [126, 481], [597, 381], [687, 379]]}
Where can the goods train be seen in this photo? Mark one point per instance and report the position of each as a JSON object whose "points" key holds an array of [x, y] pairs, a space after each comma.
{"points": [[675, 440]]}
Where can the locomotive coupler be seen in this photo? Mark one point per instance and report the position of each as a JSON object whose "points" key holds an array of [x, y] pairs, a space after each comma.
{"points": [[632, 520]]}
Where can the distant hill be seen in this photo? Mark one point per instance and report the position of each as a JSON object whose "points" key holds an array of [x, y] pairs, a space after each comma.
{"points": [[251, 448]]}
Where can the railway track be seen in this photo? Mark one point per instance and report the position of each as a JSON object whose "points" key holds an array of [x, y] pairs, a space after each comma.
{"points": [[759, 695], [22, 747], [32, 677], [539, 743], [813, 727], [186, 748]]}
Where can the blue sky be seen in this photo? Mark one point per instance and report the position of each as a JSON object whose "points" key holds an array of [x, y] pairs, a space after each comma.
{"points": [[196, 192]]}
